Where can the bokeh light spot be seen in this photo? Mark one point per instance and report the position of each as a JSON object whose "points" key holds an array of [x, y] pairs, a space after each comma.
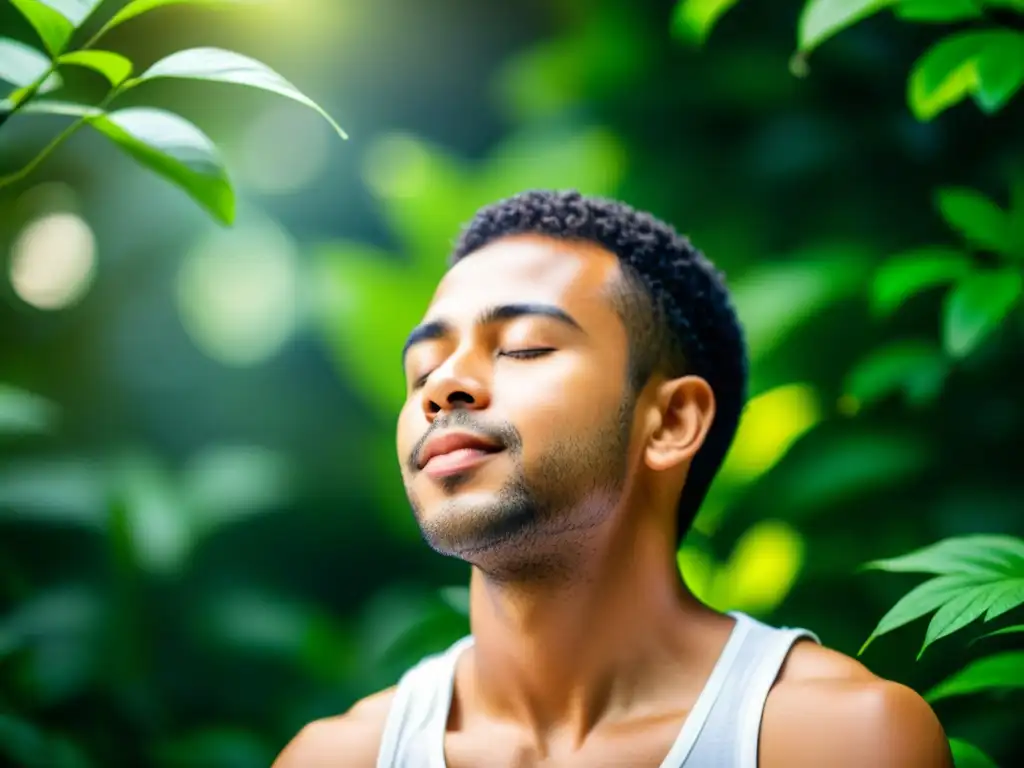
{"points": [[53, 261], [238, 292], [284, 150], [396, 166]]}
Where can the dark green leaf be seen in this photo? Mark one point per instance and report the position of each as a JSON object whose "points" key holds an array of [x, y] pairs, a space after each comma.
{"points": [[906, 275], [921, 600], [22, 65], [1015, 629], [916, 367], [821, 19], [977, 554], [24, 413], [216, 65], [138, 7], [976, 306], [694, 19], [981, 222], [113, 66], [1000, 70], [938, 10], [960, 611], [1002, 671], [966, 755], [175, 149]]}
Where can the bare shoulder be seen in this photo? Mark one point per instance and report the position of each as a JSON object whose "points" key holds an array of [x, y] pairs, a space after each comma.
{"points": [[829, 709], [352, 739]]}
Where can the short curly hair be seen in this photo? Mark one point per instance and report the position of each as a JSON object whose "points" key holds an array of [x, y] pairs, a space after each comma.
{"points": [[673, 301]]}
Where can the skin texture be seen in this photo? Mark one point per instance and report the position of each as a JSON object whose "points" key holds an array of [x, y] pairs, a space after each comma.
{"points": [[589, 650]]}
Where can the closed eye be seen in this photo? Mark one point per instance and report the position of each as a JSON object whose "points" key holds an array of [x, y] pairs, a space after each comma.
{"points": [[526, 354]]}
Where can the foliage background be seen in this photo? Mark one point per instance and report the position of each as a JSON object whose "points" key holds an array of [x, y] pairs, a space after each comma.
{"points": [[204, 542]]}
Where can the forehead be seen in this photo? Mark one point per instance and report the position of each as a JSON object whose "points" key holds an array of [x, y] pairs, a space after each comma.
{"points": [[528, 268]]}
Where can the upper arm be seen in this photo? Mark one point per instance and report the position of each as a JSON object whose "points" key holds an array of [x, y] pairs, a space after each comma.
{"points": [[851, 719], [352, 739]]}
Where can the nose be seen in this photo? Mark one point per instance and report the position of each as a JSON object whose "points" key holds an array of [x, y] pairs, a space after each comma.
{"points": [[455, 385]]}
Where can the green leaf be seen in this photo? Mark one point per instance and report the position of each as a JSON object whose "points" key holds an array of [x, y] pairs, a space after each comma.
{"points": [[1011, 597], [961, 611], [24, 413], [986, 64], [113, 66], [1011, 630], [216, 65], [981, 222], [916, 367], [821, 19], [22, 65], [966, 755], [138, 7], [1002, 671], [977, 554], [694, 19], [53, 28], [938, 10], [922, 599], [174, 148], [910, 273], [976, 306]]}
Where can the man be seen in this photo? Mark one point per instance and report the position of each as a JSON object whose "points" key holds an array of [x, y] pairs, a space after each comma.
{"points": [[572, 391]]}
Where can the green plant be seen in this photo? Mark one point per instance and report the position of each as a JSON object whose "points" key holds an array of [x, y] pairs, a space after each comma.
{"points": [[165, 143]]}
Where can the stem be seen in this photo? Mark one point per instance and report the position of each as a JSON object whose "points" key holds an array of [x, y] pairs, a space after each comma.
{"points": [[32, 90]]}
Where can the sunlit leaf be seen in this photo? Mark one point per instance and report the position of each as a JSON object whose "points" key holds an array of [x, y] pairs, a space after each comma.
{"points": [[980, 221], [22, 65], [113, 66], [961, 611], [175, 149], [966, 755], [821, 19], [1011, 597], [916, 367], [53, 28], [1001, 671], [216, 65], [976, 554], [23, 412], [922, 600], [976, 306], [138, 7], [694, 19], [937, 10]]}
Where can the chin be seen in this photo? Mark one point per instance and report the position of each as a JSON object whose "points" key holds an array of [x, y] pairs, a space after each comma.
{"points": [[474, 523]]}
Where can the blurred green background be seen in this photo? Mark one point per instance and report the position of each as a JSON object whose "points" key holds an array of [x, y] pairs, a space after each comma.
{"points": [[204, 540]]}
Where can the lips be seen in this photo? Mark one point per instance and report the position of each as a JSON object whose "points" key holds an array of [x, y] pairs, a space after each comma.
{"points": [[455, 447]]}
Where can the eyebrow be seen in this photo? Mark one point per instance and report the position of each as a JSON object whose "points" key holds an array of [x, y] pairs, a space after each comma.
{"points": [[436, 329]]}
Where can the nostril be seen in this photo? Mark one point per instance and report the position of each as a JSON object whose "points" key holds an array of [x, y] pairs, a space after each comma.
{"points": [[460, 397]]}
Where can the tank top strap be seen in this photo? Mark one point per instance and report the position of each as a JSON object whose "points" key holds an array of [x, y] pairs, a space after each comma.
{"points": [[414, 731]]}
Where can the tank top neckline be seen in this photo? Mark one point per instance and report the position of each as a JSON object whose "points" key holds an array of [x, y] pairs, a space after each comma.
{"points": [[688, 732]]}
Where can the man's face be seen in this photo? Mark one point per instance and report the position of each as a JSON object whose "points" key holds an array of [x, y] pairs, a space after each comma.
{"points": [[517, 384]]}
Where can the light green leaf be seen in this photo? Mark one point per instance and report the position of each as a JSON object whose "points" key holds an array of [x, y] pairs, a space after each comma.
{"points": [[917, 367], [53, 28], [910, 273], [1015, 629], [138, 7], [985, 64], [966, 755], [981, 222], [1011, 597], [22, 65], [960, 611], [1000, 70], [216, 65], [66, 108], [1002, 671], [921, 600], [175, 149], [113, 66], [976, 306], [938, 10], [821, 19], [24, 413], [75, 11], [977, 554], [693, 19]]}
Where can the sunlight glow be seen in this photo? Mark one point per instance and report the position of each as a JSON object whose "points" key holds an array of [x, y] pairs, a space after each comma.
{"points": [[53, 261]]}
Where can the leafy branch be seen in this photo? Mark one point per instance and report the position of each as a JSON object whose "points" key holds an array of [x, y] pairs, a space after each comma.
{"points": [[164, 142]]}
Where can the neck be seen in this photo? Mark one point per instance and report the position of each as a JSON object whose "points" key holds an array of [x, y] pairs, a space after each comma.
{"points": [[622, 632]]}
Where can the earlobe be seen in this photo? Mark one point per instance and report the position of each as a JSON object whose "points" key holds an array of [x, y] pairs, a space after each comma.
{"points": [[687, 407]]}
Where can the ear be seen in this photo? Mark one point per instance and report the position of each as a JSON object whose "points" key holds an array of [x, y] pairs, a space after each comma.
{"points": [[686, 407]]}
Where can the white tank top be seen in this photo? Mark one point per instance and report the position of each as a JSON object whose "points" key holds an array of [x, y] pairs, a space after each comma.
{"points": [[721, 730]]}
